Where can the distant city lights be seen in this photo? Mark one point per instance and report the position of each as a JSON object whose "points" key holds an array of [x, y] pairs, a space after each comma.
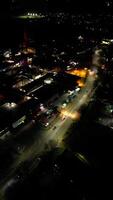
{"points": [[32, 15]]}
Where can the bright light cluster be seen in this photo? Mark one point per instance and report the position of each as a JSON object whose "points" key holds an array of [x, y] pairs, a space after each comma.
{"points": [[32, 14], [79, 72], [73, 116]]}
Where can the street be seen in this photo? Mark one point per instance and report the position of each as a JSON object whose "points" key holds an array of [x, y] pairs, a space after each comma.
{"points": [[54, 134]]}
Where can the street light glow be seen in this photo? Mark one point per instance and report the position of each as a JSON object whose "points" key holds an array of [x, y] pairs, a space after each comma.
{"points": [[73, 116]]}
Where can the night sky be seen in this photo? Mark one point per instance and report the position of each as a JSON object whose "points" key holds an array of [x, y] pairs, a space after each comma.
{"points": [[55, 5]]}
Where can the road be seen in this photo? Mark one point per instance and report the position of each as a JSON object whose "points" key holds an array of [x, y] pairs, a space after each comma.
{"points": [[54, 135]]}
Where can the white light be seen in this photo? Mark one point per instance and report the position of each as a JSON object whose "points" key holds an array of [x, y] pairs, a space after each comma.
{"points": [[71, 92], [77, 89], [13, 105], [29, 59], [17, 64], [28, 97], [42, 107], [48, 81], [38, 76], [47, 124], [9, 105], [73, 63], [54, 73], [105, 42], [68, 67], [64, 105], [7, 55], [10, 61], [36, 98]]}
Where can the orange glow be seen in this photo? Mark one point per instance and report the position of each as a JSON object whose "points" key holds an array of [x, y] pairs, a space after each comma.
{"points": [[80, 83], [79, 72], [29, 51], [74, 116], [92, 73]]}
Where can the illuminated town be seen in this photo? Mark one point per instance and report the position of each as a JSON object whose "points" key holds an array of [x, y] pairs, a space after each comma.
{"points": [[56, 100]]}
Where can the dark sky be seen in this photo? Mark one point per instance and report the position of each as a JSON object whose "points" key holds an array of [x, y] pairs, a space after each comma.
{"points": [[65, 4], [51, 5]]}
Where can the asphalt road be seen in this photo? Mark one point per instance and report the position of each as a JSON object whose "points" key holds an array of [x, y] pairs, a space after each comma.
{"points": [[53, 135]]}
